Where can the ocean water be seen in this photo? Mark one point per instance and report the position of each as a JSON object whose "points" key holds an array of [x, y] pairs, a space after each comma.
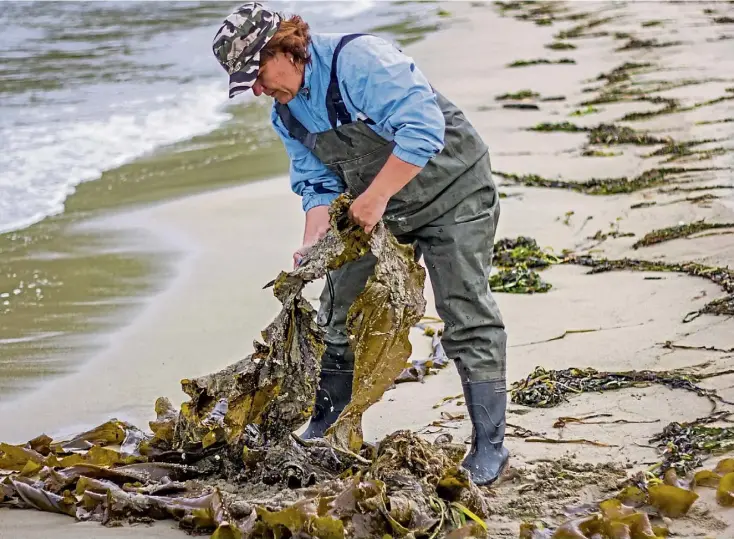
{"points": [[88, 86], [105, 105]]}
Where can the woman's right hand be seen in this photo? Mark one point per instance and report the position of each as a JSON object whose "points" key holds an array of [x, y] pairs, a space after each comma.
{"points": [[317, 225]]}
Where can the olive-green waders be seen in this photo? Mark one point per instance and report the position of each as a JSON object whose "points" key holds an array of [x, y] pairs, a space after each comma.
{"points": [[449, 212]]}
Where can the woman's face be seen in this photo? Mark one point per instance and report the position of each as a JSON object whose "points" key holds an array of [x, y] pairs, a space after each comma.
{"points": [[279, 77]]}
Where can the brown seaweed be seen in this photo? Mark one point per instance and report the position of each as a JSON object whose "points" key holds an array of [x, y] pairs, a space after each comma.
{"points": [[678, 231], [603, 186], [237, 428], [723, 277], [548, 388]]}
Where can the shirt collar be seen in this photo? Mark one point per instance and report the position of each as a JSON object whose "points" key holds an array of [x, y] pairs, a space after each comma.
{"points": [[306, 88]]}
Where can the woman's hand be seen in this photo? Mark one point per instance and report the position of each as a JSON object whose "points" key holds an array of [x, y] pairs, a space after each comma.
{"points": [[368, 208], [317, 225]]}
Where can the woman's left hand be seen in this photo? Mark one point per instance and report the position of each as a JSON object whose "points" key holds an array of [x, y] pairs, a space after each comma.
{"points": [[367, 209]]}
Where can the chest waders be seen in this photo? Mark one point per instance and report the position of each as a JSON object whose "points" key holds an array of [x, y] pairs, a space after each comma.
{"points": [[449, 212]]}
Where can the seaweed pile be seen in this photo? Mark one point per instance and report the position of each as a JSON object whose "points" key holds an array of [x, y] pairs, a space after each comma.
{"points": [[678, 231], [664, 490], [548, 388], [605, 186], [724, 277], [517, 260], [634, 511], [227, 463]]}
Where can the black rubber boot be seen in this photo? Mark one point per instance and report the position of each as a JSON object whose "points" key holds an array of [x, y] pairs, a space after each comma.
{"points": [[333, 394], [487, 457]]}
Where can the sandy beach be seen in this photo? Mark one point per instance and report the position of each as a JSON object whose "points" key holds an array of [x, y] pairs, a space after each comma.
{"points": [[228, 243]]}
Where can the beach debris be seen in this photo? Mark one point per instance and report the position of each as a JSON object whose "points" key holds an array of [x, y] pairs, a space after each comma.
{"points": [[521, 106], [518, 96], [623, 72], [640, 509], [519, 280], [635, 43], [606, 186], [672, 346], [560, 46], [541, 61], [509, 252], [582, 29], [546, 388], [227, 463], [646, 204], [678, 231], [546, 440], [418, 368], [684, 446], [562, 422], [585, 111], [599, 153], [724, 277], [517, 259]]}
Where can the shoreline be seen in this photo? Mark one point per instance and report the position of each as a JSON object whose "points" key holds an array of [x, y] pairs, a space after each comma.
{"points": [[44, 292], [209, 315]]}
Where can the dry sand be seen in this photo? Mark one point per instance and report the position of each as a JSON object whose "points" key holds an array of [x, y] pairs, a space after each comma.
{"points": [[237, 239]]}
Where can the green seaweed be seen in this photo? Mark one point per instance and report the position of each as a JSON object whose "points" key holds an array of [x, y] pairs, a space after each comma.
{"points": [[518, 280], [517, 260], [648, 24], [634, 44], [585, 112], [679, 231], [580, 30], [544, 388], [713, 122], [521, 106], [607, 186], [517, 96], [671, 106], [680, 150], [553, 98], [639, 205], [614, 134], [560, 46], [567, 127], [724, 20], [508, 253], [540, 61], [724, 277], [614, 233], [599, 153], [685, 446]]}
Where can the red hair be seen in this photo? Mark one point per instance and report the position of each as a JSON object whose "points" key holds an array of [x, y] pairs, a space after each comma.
{"points": [[292, 37]]}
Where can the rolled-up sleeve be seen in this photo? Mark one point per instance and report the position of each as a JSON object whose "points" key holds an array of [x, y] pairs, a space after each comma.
{"points": [[309, 177], [387, 86]]}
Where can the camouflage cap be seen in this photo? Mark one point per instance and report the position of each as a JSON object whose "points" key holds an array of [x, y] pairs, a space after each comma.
{"points": [[240, 39]]}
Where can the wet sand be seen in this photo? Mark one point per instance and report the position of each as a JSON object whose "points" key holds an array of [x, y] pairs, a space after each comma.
{"points": [[230, 242]]}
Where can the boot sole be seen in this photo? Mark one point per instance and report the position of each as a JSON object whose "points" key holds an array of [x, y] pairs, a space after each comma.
{"points": [[503, 471]]}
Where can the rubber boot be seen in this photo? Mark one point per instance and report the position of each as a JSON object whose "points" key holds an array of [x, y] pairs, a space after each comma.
{"points": [[333, 394], [487, 457]]}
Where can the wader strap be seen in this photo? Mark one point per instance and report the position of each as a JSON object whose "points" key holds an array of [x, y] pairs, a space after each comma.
{"points": [[294, 127], [335, 106], [334, 103]]}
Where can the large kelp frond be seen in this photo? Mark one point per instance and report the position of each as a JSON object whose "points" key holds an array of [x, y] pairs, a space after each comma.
{"points": [[378, 323], [273, 388]]}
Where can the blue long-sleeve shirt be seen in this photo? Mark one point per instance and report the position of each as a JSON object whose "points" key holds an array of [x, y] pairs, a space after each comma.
{"points": [[377, 81]]}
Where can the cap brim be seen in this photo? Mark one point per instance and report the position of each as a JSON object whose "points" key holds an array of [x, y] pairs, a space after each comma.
{"points": [[242, 80]]}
